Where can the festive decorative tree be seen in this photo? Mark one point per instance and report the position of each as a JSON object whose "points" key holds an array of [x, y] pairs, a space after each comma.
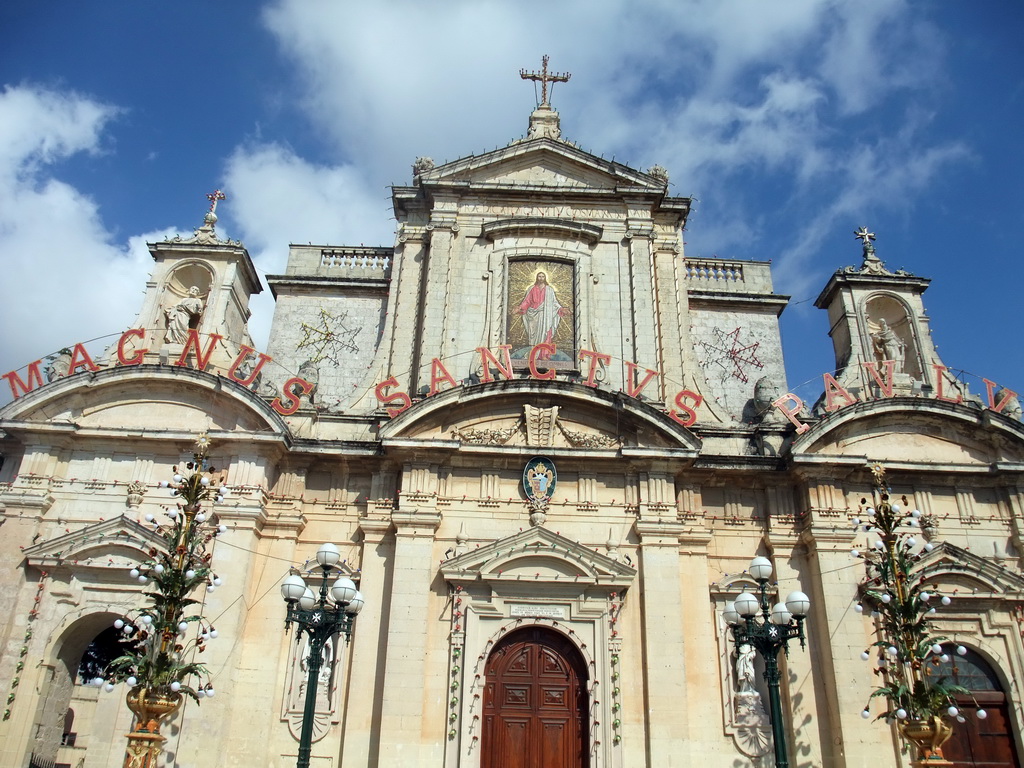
{"points": [[917, 697], [161, 637]]}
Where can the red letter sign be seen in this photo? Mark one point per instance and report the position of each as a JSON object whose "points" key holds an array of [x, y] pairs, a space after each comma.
{"points": [[792, 411], [233, 370], [544, 350], [302, 387], [136, 356], [202, 358], [634, 389], [691, 413], [399, 397], [834, 389], [594, 357], [34, 380], [438, 375], [1008, 395], [486, 357]]}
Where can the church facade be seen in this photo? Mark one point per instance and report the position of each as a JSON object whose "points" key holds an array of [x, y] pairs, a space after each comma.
{"points": [[547, 443]]}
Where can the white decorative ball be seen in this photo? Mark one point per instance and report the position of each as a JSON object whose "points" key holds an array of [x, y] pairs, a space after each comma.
{"points": [[982, 714], [946, 600], [961, 650], [953, 711]]}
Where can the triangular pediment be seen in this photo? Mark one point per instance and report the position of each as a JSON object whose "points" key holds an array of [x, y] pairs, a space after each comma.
{"points": [[542, 163], [968, 575], [116, 544], [537, 555]]}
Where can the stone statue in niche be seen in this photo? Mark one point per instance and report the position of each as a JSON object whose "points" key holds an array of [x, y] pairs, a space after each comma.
{"points": [[745, 667], [888, 346], [182, 316]]}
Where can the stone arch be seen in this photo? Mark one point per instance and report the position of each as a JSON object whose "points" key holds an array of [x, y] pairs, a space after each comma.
{"points": [[188, 273], [59, 671], [899, 317]]}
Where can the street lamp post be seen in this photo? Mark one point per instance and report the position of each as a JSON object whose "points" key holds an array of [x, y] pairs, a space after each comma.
{"points": [[778, 625], [320, 618]]}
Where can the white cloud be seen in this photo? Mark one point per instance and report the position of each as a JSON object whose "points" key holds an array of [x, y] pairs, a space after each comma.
{"points": [[720, 93], [65, 279]]}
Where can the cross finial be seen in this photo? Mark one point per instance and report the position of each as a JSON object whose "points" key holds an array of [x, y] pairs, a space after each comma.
{"points": [[213, 197], [545, 77], [863, 235]]}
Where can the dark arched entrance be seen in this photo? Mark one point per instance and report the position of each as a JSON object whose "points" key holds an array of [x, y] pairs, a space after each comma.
{"points": [[535, 703], [979, 742]]}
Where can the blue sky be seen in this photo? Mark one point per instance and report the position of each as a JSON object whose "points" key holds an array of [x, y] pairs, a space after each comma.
{"points": [[791, 123]]}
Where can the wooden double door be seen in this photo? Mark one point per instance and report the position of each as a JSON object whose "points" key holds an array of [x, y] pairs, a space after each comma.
{"points": [[535, 703], [977, 742]]}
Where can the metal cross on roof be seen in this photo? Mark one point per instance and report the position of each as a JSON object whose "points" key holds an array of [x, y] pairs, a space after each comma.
{"points": [[545, 77], [213, 197], [863, 235]]}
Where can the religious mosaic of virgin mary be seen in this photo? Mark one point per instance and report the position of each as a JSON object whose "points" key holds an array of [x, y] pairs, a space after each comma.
{"points": [[541, 298]]}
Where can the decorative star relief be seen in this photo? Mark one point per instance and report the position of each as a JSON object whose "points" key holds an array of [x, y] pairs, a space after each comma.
{"points": [[330, 339], [729, 354]]}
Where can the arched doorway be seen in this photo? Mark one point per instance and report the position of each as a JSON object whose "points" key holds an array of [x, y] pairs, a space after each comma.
{"points": [[984, 742], [535, 703]]}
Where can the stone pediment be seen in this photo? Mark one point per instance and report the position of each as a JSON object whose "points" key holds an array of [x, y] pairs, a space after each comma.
{"points": [[537, 555], [114, 545], [151, 398], [969, 574], [524, 416], [541, 163], [914, 430]]}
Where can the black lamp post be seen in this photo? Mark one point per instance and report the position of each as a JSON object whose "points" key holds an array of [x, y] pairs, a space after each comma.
{"points": [[777, 626], [320, 618]]}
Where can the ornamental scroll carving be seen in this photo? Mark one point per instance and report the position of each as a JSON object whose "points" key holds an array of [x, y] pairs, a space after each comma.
{"points": [[538, 427]]}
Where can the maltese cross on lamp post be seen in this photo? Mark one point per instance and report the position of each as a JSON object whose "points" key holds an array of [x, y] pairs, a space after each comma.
{"points": [[778, 625]]}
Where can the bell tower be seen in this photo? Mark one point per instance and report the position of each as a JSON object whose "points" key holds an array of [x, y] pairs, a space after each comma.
{"points": [[877, 321], [203, 283]]}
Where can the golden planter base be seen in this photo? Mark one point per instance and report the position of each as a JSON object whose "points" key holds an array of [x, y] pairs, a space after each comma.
{"points": [[927, 736], [145, 742]]}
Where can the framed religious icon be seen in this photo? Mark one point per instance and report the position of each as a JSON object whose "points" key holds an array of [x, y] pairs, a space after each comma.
{"points": [[541, 303]]}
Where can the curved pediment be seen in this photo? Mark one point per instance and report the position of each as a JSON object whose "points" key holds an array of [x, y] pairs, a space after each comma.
{"points": [[153, 398], [524, 415], [914, 430]]}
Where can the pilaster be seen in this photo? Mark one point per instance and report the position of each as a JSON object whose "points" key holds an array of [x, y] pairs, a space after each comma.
{"points": [[663, 628], [401, 721]]}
